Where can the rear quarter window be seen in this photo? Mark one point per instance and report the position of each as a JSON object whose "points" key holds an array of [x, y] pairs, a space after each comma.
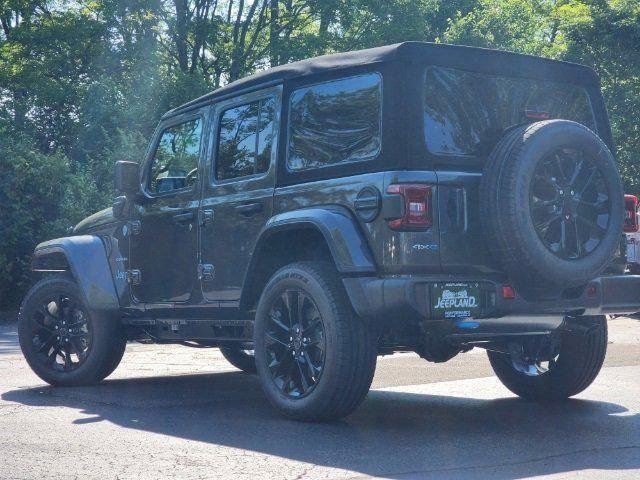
{"points": [[465, 113], [335, 122]]}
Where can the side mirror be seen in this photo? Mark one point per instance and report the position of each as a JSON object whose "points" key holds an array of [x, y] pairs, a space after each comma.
{"points": [[127, 177]]}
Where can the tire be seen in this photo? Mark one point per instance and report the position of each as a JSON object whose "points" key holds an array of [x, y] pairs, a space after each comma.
{"points": [[102, 335], [579, 361], [514, 235], [340, 343], [239, 358]]}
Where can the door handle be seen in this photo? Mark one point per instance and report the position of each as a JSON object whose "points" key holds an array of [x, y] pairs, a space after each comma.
{"points": [[249, 208], [183, 217]]}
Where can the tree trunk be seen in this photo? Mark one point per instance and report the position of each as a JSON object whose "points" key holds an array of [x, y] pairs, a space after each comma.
{"points": [[180, 34], [274, 33], [326, 17]]}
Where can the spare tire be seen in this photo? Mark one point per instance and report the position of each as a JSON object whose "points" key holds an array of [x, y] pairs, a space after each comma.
{"points": [[552, 204]]}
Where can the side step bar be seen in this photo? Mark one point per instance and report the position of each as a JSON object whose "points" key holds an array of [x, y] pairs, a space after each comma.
{"points": [[165, 330]]}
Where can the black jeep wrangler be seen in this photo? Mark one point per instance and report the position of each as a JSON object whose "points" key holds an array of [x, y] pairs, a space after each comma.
{"points": [[414, 197]]}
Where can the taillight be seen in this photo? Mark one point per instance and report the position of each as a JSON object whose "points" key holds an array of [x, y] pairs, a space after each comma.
{"points": [[508, 293], [416, 212], [630, 213]]}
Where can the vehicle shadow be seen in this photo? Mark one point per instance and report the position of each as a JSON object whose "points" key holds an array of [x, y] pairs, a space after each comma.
{"points": [[392, 434]]}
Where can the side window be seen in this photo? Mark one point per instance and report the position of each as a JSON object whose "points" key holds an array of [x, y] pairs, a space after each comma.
{"points": [[335, 122], [245, 139], [175, 162]]}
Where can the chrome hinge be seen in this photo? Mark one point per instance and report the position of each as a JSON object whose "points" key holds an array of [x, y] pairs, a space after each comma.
{"points": [[134, 277], [206, 217], [135, 227], [131, 228], [205, 272]]}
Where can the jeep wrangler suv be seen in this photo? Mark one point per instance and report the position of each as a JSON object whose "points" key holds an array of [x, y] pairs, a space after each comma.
{"points": [[306, 219]]}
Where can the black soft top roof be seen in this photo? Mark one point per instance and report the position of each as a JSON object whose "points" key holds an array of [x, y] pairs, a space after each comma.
{"points": [[468, 58]]}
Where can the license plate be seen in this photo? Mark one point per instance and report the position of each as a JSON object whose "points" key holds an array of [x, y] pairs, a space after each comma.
{"points": [[456, 300]]}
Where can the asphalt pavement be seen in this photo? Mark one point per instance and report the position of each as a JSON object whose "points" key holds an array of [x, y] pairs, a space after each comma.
{"points": [[171, 412]]}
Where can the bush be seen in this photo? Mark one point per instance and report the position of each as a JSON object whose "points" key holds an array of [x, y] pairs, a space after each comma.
{"points": [[40, 197]]}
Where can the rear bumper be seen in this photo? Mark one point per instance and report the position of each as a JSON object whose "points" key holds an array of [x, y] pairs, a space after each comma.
{"points": [[380, 298]]}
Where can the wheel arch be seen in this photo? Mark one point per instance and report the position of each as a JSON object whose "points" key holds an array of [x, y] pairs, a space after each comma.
{"points": [[84, 257], [329, 233]]}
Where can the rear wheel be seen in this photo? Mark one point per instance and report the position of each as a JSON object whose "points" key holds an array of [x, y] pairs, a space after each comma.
{"points": [[63, 342], [242, 359], [315, 358], [566, 372]]}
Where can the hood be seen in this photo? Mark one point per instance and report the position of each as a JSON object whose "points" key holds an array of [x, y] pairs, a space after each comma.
{"points": [[102, 217]]}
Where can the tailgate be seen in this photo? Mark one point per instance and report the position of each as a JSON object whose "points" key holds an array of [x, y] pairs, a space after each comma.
{"points": [[462, 244]]}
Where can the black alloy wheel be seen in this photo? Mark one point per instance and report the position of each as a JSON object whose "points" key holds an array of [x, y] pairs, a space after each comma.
{"points": [[570, 204], [315, 358], [64, 342], [60, 333], [553, 206], [295, 343]]}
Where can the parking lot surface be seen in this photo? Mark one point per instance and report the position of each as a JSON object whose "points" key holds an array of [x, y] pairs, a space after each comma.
{"points": [[175, 412]]}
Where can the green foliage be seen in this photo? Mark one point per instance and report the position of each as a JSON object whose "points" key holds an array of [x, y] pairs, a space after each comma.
{"points": [[511, 24], [40, 197], [83, 83], [601, 34]]}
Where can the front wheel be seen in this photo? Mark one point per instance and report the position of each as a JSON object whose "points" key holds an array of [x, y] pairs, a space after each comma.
{"points": [[64, 343], [566, 373], [315, 358]]}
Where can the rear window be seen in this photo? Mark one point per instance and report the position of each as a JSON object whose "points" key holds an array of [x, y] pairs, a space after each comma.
{"points": [[335, 122], [465, 113]]}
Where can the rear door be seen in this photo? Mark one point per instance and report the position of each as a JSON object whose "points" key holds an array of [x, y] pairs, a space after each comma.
{"points": [[238, 194], [163, 247]]}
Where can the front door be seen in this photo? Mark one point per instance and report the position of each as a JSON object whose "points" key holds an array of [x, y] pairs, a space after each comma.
{"points": [[238, 199], [164, 233]]}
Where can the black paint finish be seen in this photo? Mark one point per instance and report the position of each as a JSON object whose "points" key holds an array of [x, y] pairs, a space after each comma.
{"points": [[164, 241], [226, 223], [87, 258]]}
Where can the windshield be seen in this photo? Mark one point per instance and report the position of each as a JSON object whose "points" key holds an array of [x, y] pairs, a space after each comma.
{"points": [[465, 113]]}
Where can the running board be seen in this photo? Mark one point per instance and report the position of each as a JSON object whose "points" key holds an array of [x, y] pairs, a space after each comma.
{"points": [[179, 330]]}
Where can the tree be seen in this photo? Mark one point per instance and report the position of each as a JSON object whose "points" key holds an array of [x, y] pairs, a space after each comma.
{"points": [[83, 82], [598, 33]]}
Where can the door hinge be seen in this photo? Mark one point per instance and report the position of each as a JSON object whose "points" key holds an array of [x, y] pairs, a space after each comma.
{"points": [[134, 277], [131, 228], [206, 217], [205, 272]]}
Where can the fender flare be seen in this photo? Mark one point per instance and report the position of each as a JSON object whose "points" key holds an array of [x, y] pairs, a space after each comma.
{"points": [[347, 245], [86, 258]]}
